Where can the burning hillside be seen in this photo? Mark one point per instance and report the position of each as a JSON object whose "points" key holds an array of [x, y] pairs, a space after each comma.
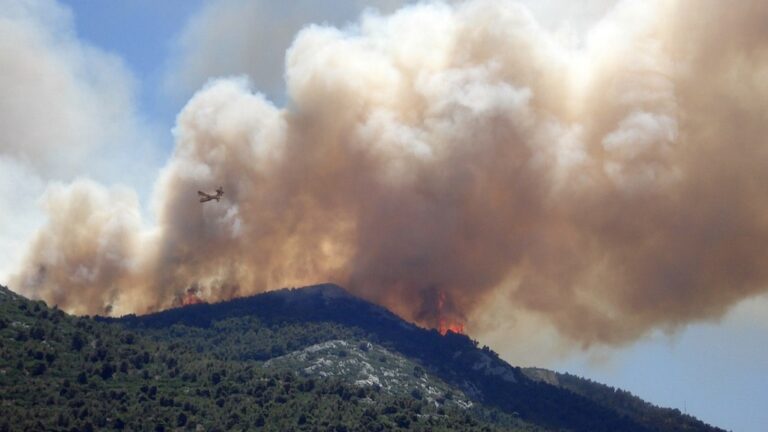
{"points": [[191, 297], [610, 187]]}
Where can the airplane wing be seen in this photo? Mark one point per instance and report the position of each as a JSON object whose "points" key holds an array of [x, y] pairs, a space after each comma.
{"points": [[204, 197]]}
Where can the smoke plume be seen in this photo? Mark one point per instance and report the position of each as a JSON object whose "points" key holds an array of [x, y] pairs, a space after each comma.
{"points": [[67, 110], [445, 155]]}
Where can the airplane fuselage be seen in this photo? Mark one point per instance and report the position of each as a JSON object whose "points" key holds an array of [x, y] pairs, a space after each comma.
{"points": [[205, 197]]}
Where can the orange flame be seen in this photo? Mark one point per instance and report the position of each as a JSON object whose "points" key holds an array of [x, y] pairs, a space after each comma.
{"points": [[190, 298], [445, 324], [444, 327]]}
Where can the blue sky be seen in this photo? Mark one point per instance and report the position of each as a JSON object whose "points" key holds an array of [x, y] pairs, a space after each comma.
{"points": [[143, 33], [714, 370]]}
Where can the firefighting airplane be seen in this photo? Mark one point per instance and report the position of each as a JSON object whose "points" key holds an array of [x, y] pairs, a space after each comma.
{"points": [[208, 197]]}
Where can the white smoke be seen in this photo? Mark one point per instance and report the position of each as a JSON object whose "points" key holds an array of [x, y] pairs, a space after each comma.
{"points": [[66, 110]]}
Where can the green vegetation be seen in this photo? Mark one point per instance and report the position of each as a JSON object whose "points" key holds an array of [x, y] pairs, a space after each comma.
{"points": [[621, 401], [59, 372], [304, 359]]}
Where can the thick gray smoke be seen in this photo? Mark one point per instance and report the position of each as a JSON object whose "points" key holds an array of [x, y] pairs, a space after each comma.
{"points": [[438, 157]]}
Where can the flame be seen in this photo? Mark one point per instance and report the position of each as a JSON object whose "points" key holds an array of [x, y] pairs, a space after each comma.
{"points": [[190, 298], [446, 324], [454, 327]]}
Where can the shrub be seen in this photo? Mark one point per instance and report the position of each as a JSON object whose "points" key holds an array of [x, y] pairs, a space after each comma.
{"points": [[77, 342], [107, 370], [38, 369]]}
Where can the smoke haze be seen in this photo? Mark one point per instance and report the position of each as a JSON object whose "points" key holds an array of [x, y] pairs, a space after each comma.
{"points": [[66, 110], [447, 156]]}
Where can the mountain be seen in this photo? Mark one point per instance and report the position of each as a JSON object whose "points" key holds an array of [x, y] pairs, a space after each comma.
{"points": [[314, 358]]}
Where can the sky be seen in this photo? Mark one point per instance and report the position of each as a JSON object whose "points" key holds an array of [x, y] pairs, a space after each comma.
{"points": [[106, 108]]}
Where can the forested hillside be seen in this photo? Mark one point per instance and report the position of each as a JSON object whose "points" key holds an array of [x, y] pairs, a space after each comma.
{"points": [[59, 372], [308, 359]]}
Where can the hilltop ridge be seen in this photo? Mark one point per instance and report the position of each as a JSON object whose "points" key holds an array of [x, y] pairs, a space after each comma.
{"points": [[320, 345], [455, 358]]}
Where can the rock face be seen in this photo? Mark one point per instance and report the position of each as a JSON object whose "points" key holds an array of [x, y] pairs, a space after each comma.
{"points": [[371, 365]]}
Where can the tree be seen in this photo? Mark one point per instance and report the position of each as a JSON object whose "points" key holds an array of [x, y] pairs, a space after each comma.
{"points": [[38, 369], [77, 342], [416, 394], [37, 333], [107, 370]]}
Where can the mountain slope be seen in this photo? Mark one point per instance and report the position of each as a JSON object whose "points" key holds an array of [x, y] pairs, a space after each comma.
{"points": [[618, 400], [455, 359], [59, 372], [300, 359]]}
